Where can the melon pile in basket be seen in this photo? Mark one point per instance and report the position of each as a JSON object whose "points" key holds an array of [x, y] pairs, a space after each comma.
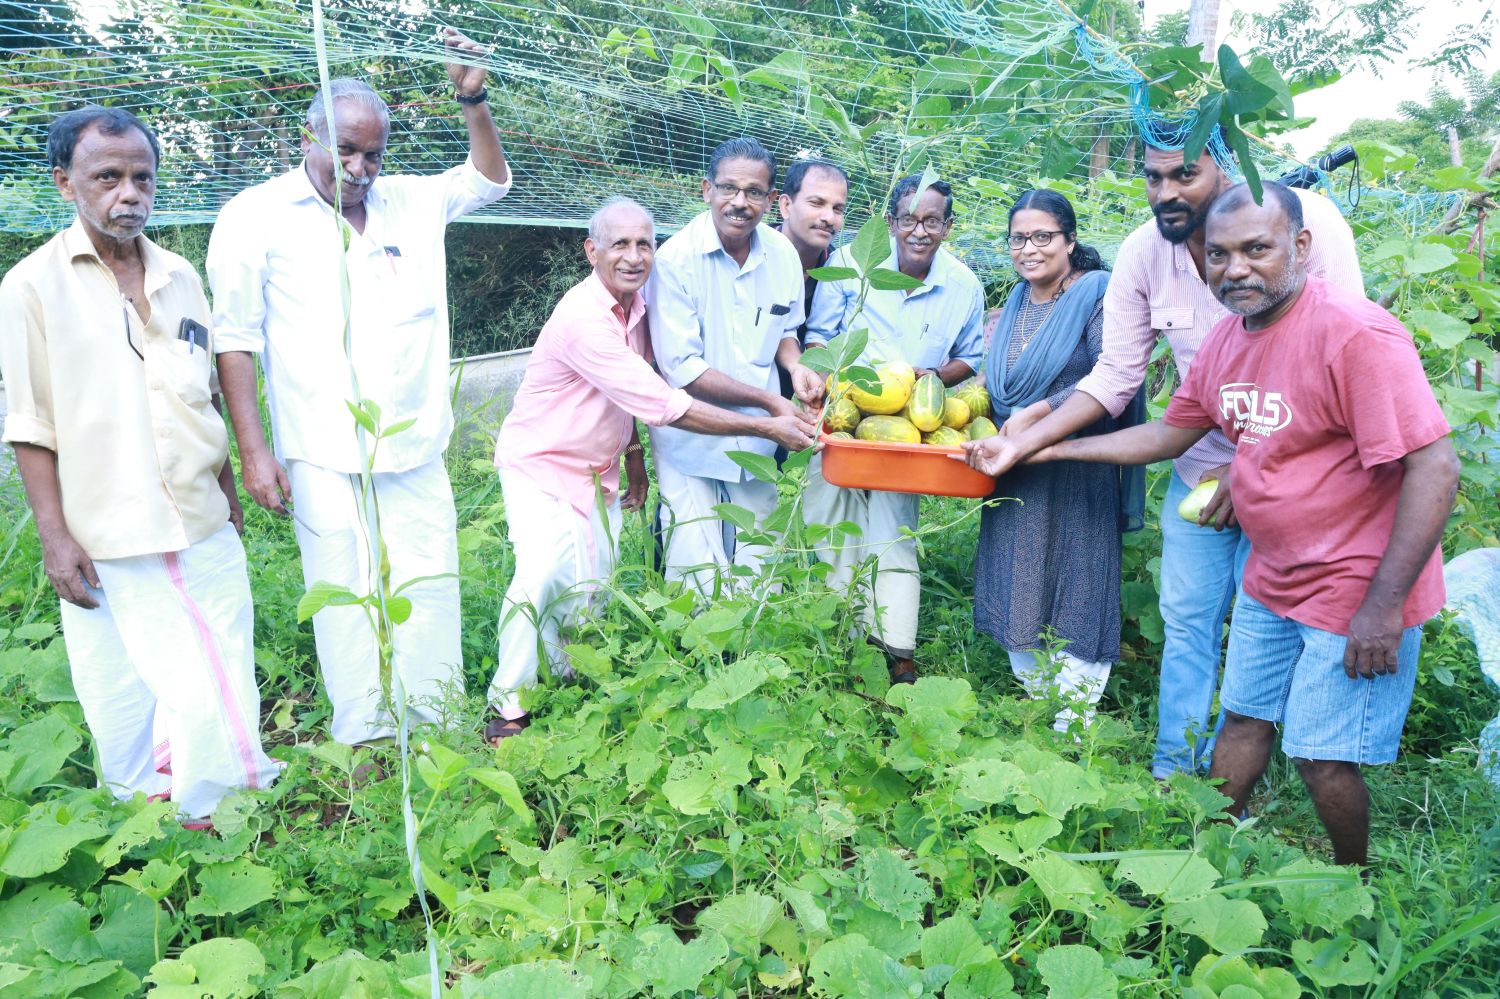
{"points": [[908, 410]]}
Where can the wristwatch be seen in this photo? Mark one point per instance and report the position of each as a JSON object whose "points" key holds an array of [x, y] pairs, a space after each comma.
{"points": [[471, 99]]}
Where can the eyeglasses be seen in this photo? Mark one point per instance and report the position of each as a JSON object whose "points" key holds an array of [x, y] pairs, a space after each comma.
{"points": [[729, 192], [1039, 238], [931, 226]]}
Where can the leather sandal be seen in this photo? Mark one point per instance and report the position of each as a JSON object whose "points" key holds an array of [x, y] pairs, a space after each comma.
{"points": [[498, 728]]}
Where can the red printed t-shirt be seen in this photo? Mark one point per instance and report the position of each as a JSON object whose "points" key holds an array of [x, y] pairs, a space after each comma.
{"points": [[1321, 405]]}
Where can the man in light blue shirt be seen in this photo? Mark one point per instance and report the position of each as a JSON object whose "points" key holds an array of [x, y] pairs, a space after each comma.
{"points": [[725, 295], [937, 328]]}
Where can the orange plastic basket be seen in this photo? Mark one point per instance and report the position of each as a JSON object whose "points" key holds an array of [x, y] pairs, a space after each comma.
{"points": [[902, 468]]}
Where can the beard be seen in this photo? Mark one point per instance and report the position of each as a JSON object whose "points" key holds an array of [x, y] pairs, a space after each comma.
{"points": [[1272, 292], [1193, 220]]}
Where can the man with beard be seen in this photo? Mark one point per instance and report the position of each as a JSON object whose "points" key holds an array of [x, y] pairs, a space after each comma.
{"points": [[107, 360], [812, 203], [725, 295], [277, 262], [1158, 290], [1343, 481], [936, 328]]}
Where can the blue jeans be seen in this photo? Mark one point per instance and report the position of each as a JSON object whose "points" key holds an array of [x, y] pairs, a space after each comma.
{"points": [[1200, 574], [1292, 674]]}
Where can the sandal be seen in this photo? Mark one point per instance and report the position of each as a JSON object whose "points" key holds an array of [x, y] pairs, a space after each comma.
{"points": [[498, 728]]}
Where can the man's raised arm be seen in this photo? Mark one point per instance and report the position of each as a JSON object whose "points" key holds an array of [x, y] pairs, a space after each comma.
{"points": [[468, 83]]}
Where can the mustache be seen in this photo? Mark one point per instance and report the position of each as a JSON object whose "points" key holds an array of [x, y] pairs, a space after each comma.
{"points": [[127, 217], [1173, 206], [349, 178], [1229, 286]]}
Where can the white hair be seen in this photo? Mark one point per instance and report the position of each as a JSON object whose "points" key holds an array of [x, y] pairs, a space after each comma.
{"points": [[348, 89], [596, 221]]}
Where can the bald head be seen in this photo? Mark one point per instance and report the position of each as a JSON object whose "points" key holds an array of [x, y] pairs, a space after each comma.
{"points": [[621, 246], [1254, 255]]}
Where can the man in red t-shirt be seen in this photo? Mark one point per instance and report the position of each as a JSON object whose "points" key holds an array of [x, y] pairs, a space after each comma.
{"points": [[1343, 480]]}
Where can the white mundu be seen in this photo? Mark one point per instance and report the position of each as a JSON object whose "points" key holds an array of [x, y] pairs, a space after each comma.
{"points": [[273, 263], [169, 647]]}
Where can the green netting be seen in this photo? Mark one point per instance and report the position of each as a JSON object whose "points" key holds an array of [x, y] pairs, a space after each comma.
{"points": [[594, 98]]}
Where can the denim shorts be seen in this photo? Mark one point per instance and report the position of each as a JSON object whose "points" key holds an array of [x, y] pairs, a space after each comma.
{"points": [[1293, 674]]}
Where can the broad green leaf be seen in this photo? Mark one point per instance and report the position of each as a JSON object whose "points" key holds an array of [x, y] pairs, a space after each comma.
{"points": [[1244, 92], [736, 515], [872, 245], [992, 782], [1225, 924], [1266, 73], [980, 981], [727, 685], [36, 751], [224, 967], [849, 968], [398, 609], [323, 594], [833, 273], [1339, 960], [228, 888], [1180, 876], [1059, 788], [1067, 884], [155, 880], [1059, 157], [440, 766], [130, 929], [955, 942], [1072, 971], [1457, 178], [45, 836], [1443, 330], [1217, 976], [1207, 117], [155, 820], [1462, 405], [1241, 146], [503, 784], [1321, 896], [351, 975], [882, 279], [743, 918], [363, 418], [888, 883], [670, 965], [696, 782], [552, 979], [64, 933], [809, 913], [763, 467]]}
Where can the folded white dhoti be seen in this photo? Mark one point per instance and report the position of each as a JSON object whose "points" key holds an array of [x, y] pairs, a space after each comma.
{"points": [[890, 606], [700, 545], [171, 646], [561, 559], [418, 525]]}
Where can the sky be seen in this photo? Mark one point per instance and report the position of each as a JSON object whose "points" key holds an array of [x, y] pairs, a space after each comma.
{"points": [[1359, 94]]}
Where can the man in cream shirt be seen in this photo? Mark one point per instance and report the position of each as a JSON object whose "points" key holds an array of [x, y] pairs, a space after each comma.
{"points": [[276, 264], [104, 349]]}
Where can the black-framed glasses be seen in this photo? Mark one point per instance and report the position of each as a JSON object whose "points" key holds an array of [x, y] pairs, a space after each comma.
{"points": [[730, 191], [125, 315], [931, 226], [1041, 237]]}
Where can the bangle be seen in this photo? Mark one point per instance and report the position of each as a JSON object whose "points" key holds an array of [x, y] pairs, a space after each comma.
{"points": [[633, 449], [472, 99]]}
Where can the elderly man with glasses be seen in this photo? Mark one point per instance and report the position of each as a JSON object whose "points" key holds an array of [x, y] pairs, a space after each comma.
{"points": [[724, 300], [937, 328]]}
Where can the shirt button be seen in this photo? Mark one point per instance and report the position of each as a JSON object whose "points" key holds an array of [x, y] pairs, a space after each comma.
{"points": [[156, 385], [1169, 324]]}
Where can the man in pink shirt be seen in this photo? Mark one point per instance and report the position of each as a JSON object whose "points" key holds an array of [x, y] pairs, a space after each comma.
{"points": [[1343, 481], [589, 379], [1157, 290]]}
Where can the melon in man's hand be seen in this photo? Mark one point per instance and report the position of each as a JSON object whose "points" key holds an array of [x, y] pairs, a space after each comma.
{"points": [[1191, 507]]}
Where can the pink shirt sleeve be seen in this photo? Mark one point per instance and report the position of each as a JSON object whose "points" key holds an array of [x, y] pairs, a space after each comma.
{"points": [[602, 358], [1383, 395], [1128, 337]]}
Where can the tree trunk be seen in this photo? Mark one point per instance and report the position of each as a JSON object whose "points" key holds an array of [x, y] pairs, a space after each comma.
{"points": [[1455, 151], [1203, 27]]}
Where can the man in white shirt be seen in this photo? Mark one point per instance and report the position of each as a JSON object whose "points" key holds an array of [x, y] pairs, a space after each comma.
{"points": [[938, 328], [725, 295], [276, 263]]}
